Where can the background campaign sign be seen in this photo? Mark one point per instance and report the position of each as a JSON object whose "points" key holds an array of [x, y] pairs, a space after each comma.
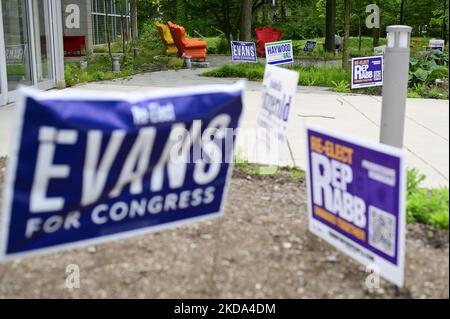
{"points": [[90, 166], [309, 46], [436, 45], [356, 195], [279, 87], [279, 52], [367, 72], [243, 51], [380, 50]]}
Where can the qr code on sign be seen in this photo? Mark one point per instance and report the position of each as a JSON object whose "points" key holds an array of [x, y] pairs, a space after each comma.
{"points": [[382, 230], [377, 75]]}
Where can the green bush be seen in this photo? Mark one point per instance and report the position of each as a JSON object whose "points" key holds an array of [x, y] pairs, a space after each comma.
{"points": [[74, 75], [217, 45], [150, 39], [426, 66], [440, 72], [426, 206], [341, 86]]}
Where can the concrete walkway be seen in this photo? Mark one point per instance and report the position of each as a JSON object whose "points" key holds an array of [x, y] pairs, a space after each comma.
{"points": [[426, 132]]}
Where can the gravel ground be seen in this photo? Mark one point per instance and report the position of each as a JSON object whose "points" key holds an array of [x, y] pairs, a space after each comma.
{"points": [[261, 248]]}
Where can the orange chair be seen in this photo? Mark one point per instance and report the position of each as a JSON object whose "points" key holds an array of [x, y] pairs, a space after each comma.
{"points": [[190, 47], [171, 48]]}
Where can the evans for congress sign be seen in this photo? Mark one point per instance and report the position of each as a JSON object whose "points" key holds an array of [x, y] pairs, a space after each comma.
{"points": [[90, 166]]}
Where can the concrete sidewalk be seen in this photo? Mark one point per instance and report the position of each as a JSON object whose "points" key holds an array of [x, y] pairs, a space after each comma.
{"points": [[426, 133]]}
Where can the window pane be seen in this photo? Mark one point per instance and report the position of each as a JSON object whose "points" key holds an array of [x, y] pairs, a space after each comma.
{"points": [[42, 40], [17, 44]]}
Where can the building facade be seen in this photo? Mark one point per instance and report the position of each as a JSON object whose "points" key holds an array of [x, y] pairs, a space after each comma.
{"points": [[33, 35], [88, 18], [31, 46]]}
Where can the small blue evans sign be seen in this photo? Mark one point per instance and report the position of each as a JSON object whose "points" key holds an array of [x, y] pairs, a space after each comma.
{"points": [[243, 51]]}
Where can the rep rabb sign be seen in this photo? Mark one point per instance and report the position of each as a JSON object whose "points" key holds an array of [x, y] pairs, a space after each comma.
{"points": [[367, 72]]}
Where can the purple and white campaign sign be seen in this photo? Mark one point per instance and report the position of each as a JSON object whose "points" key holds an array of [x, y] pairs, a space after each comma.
{"points": [[367, 72], [87, 167], [243, 51], [356, 195]]}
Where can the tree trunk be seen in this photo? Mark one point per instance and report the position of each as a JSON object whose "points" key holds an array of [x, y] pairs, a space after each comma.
{"points": [[330, 25], [108, 37], [245, 33], [402, 12], [265, 13], [133, 14], [124, 29], [283, 11], [376, 37], [226, 28], [345, 52]]}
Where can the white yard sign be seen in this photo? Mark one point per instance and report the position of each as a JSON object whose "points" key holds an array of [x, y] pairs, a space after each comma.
{"points": [[279, 87]]}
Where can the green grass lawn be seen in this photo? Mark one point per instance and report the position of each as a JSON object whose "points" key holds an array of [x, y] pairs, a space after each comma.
{"points": [[309, 76]]}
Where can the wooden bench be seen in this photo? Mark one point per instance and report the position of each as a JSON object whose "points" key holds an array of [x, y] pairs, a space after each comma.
{"points": [[164, 31], [266, 35], [74, 45], [188, 47]]}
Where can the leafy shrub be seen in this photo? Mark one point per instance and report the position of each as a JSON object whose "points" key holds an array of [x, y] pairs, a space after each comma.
{"points": [[217, 45], [440, 72], [434, 93], [413, 95], [150, 39], [426, 66], [341, 86], [424, 205], [74, 75]]}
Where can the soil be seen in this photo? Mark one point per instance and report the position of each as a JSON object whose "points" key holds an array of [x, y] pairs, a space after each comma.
{"points": [[260, 248]]}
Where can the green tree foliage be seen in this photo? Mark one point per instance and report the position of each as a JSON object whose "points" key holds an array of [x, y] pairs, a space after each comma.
{"points": [[299, 19]]}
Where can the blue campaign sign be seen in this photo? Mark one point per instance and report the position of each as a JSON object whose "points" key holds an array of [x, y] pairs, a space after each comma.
{"points": [[309, 46], [243, 51], [356, 198], [87, 167], [367, 72]]}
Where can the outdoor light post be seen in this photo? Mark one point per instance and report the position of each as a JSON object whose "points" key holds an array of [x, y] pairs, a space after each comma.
{"points": [[395, 85]]}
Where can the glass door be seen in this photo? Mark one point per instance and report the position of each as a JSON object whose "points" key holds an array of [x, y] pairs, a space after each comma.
{"points": [[17, 44], [3, 85], [42, 43]]}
